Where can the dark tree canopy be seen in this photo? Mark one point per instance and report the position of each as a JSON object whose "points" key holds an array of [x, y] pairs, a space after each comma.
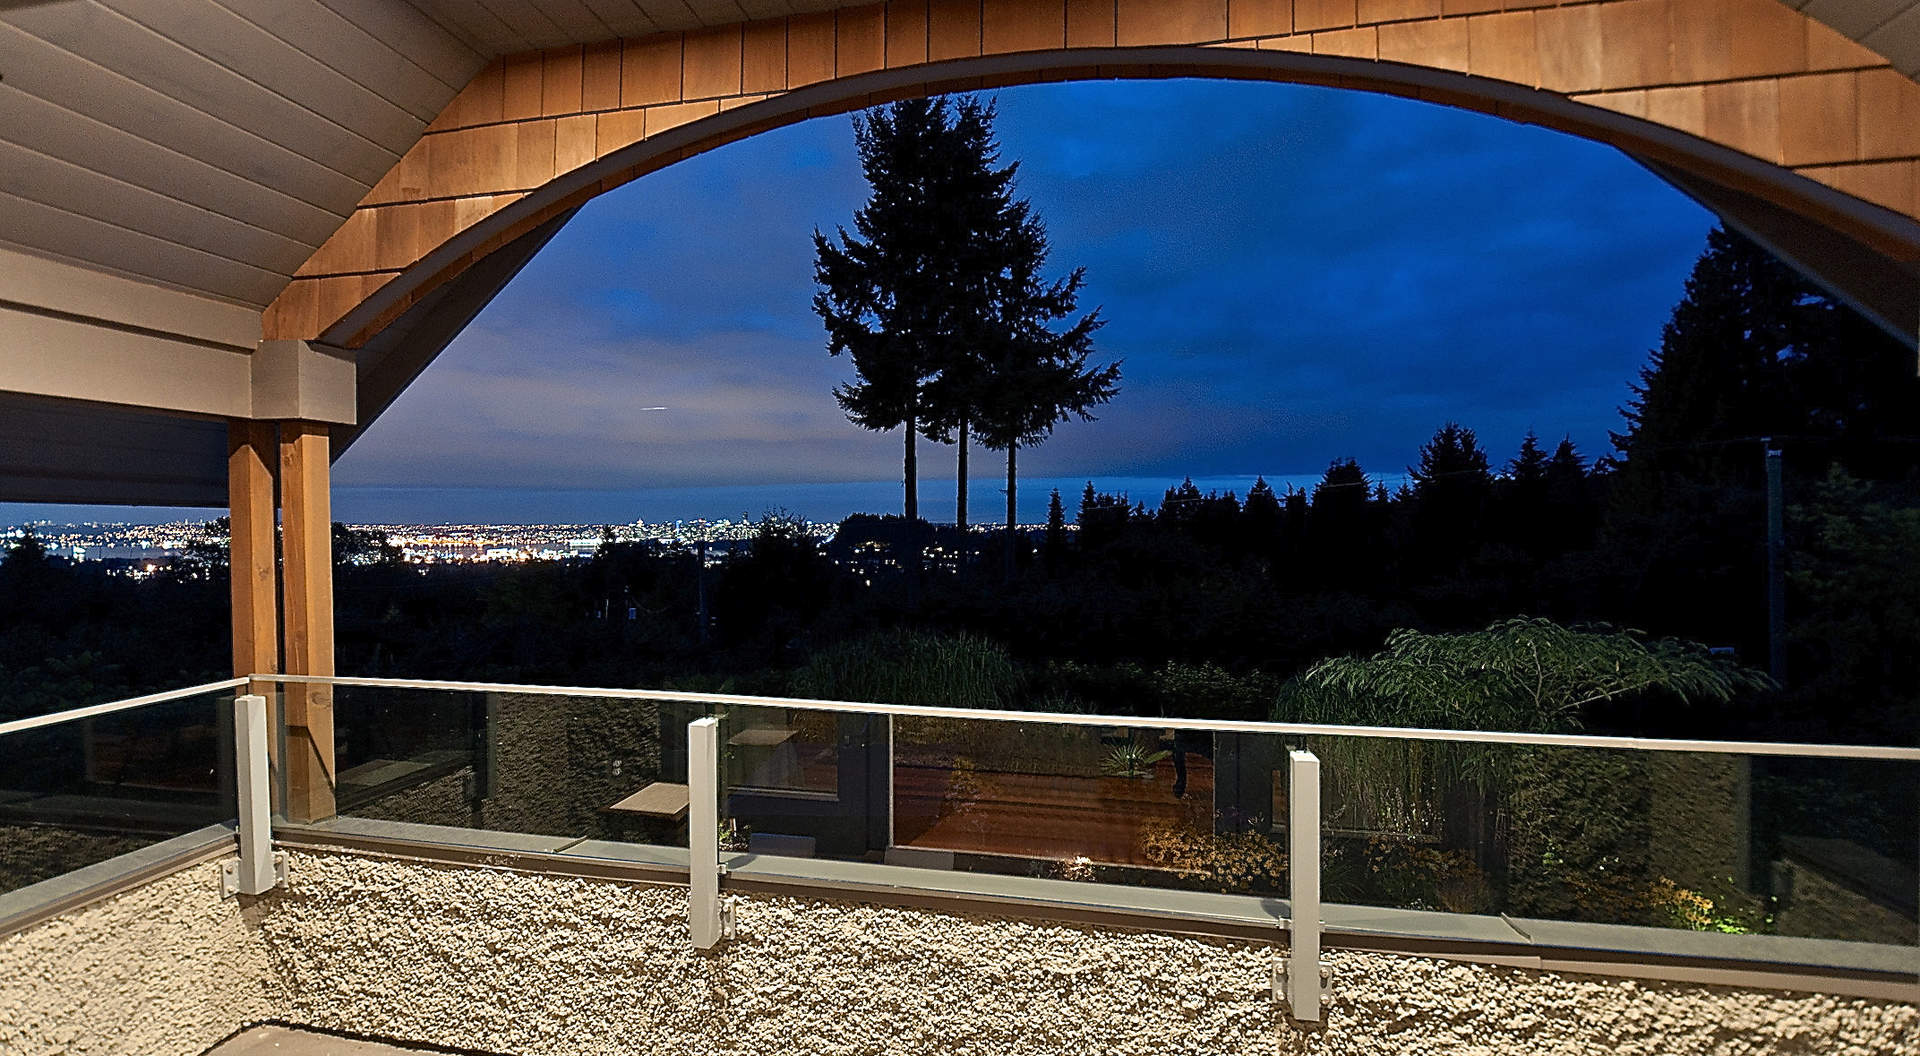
{"points": [[1451, 488], [1754, 350], [894, 292]]}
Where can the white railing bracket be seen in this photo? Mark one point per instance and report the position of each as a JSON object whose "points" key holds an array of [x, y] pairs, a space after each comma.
{"points": [[1301, 979], [709, 917], [259, 868], [230, 876]]}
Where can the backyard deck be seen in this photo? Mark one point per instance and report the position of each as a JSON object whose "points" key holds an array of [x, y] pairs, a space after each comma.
{"points": [[1049, 816]]}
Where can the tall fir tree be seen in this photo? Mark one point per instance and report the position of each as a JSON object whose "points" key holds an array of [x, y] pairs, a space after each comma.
{"points": [[1754, 350], [1451, 487], [1522, 495], [1528, 469], [1573, 516], [1340, 529], [981, 223], [1032, 376], [1056, 538], [889, 293], [1260, 519]]}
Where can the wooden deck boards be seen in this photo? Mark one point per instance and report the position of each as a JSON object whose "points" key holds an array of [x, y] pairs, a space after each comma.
{"points": [[1044, 815]]}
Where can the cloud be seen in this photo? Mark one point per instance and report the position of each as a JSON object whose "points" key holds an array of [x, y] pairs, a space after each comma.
{"points": [[1290, 274]]}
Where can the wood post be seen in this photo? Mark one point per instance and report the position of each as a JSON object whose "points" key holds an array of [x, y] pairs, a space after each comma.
{"points": [[307, 553], [250, 507]]}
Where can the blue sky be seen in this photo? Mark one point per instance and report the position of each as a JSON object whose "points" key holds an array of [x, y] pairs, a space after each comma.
{"points": [[1290, 274]]}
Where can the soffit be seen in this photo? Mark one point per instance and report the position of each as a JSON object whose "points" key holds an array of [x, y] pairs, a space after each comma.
{"points": [[1890, 27]]}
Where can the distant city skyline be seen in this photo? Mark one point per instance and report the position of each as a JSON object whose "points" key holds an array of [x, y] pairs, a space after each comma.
{"points": [[817, 502]]}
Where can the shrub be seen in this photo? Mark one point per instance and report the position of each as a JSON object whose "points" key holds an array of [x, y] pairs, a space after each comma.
{"points": [[1243, 862]]}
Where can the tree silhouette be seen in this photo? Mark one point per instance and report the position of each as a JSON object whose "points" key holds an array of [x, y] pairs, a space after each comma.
{"points": [[1451, 486], [1031, 376], [887, 293], [1056, 540], [1753, 350], [1523, 496], [979, 222], [1572, 515], [1102, 517], [26, 550], [1260, 519], [1528, 469]]}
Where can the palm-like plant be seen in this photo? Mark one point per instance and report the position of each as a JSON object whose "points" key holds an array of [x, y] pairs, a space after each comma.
{"points": [[1132, 759], [1523, 674]]}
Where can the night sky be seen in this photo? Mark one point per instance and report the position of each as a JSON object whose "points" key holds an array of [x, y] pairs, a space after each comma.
{"points": [[1290, 274]]}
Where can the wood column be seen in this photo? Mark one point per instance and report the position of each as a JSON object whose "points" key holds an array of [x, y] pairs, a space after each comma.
{"points": [[250, 509], [307, 555]]}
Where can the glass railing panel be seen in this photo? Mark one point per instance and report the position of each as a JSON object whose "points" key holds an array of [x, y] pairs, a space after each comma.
{"points": [[569, 767], [1141, 805], [1836, 847], [1702, 841], [1705, 841], [1417, 824], [801, 782], [87, 790]]}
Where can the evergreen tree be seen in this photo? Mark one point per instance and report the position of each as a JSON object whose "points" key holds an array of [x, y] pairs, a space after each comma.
{"points": [[1755, 350], [981, 223], [1341, 526], [1572, 515], [1260, 518], [1451, 486], [1342, 489], [1450, 462], [1031, 376], [1523, 496], [1752, 350], [28, 581], [1567, 469], [1293, 524], [1056, 542], [888, 295], [1181, 504], [26, 551], [1528, 469], [1102, 517]]}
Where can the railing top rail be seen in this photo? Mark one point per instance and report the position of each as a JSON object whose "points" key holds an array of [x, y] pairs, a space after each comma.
{"points": [[91, 710], [1551, 740]]}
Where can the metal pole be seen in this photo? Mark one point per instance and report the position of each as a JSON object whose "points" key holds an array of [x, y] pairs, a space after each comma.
{"points": [[703, 832], [256, 871], [1776, 569], [1303, 873]]}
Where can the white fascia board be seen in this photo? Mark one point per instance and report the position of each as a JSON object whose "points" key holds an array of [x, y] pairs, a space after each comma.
{"points": [[66, 289], [71, 358]]}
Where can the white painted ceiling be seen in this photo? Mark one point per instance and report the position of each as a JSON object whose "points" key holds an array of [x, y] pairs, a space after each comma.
{"points": [[212, 145]]}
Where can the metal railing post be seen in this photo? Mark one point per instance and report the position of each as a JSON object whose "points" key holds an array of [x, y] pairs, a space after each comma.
{"points": [[259, 869], [708, 918], [1303, 983]]}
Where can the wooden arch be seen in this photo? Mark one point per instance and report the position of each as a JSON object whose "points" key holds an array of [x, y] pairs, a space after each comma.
{"points": [[1790, 129]]}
